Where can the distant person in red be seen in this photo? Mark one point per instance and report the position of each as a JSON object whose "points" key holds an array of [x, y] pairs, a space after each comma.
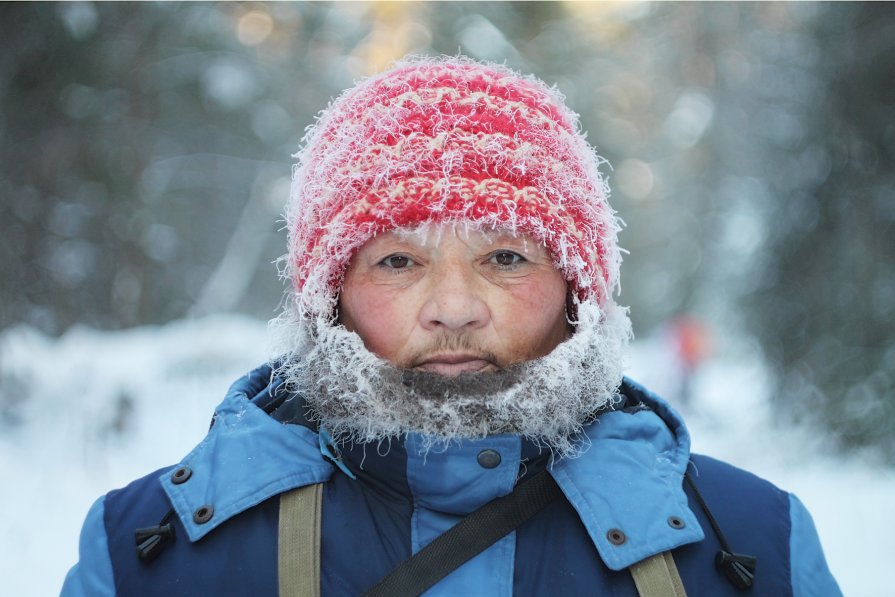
{"points": [[692, 344], [448, 412]]}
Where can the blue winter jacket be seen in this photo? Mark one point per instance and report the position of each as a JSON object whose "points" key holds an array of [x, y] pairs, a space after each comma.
{"points": [[382, 503]]}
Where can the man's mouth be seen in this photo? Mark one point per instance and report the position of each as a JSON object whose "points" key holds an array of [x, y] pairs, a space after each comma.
{"points": [[455, 364]]}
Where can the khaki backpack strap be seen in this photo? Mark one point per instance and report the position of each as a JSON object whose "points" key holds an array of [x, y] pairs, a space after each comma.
{"points": [[298, 548], [657, 577], [298, 543]]}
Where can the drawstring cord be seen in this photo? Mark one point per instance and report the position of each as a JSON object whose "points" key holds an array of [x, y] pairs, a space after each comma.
{"points": [[151, 541], [738, 568]]}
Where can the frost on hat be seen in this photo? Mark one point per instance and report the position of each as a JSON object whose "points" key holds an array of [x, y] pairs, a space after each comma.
{"points": [[448, 140]]}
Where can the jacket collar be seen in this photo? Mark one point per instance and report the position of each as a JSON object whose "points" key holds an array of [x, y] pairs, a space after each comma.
{"points": [[628, 481], [628, 487], [246, 458]]}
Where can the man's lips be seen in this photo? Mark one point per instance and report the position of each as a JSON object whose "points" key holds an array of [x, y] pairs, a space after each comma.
{"points": [[454, 364]]}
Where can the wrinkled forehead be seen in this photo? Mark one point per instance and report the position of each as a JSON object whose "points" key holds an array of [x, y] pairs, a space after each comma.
{"points": [[432, 234]]}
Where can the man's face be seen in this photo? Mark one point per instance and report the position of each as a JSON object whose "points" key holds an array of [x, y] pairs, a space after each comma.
{"points": [[454, 301]]}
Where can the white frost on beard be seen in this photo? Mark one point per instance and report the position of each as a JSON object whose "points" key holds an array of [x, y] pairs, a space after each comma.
{"points": [[359, 397]]}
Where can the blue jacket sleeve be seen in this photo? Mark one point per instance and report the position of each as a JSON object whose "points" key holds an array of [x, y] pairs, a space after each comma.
{"points": [[92, 575], [810, 574]]}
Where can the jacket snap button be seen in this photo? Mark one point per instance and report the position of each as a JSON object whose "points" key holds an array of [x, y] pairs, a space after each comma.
{"points": [[203, 514], [676, 522], [181, 475], [488, 458], [616, 537]]}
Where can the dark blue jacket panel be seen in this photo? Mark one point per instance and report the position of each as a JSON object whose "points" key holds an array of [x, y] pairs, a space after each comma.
{"points": [[239, 558]]}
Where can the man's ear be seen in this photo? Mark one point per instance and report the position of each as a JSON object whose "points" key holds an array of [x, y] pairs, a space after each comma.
{"points": [[571, 312], [337, 311]]}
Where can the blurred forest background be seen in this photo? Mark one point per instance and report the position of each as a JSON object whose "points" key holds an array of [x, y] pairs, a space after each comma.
{"points": [[146, 161]]}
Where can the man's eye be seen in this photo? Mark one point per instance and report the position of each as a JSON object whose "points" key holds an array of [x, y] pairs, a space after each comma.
{"points": [[396, 261], [507, 258]]}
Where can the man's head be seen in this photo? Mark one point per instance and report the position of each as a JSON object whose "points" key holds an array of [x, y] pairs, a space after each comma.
{"points": [[448, 217]]}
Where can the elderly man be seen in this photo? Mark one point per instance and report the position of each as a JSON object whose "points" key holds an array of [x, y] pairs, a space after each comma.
{"points": [[448, 412]]}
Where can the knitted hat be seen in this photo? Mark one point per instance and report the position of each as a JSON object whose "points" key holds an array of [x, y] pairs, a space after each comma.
{"points": [[448, 140]]}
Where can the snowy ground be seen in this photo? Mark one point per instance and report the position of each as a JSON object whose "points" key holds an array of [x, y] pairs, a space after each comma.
{"points": [[91, 411]]}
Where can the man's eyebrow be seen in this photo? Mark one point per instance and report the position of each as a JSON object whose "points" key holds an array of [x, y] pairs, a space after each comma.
{"points": [[529, 244]]}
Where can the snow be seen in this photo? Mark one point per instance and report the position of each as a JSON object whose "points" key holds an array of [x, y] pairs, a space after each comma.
{"points": [[66, 449], [92, 410]]}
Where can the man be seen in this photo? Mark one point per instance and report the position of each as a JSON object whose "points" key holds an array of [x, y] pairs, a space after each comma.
{"points": [[451, 337]]}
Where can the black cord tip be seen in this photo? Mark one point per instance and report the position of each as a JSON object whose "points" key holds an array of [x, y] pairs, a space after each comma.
{"points": [[738, 568]]}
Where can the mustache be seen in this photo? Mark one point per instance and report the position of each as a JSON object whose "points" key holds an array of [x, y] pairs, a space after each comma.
{"points": [[462, 342]]}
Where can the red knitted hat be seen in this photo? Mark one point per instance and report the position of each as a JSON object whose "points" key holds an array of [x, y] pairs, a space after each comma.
{"points": [[448, 140]]}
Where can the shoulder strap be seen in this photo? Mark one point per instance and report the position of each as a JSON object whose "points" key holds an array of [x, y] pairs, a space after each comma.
{"points": [[657, 576], [298, 542], [468, 538]]}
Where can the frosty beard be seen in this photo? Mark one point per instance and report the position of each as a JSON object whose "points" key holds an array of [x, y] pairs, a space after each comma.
{"points": [[358, 397]]}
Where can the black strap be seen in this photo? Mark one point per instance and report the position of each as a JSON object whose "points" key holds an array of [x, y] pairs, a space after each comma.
{"points": [[468, 538], [739, 568]]}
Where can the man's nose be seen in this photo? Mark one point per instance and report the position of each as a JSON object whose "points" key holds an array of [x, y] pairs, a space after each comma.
{"points": [[454, 300]]}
